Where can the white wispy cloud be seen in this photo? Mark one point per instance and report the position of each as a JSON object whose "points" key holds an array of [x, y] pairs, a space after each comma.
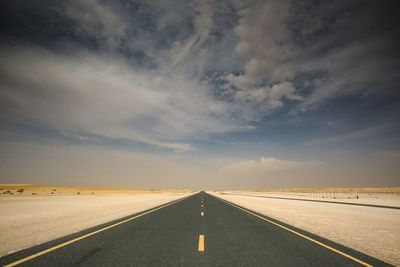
{"points": [[98, 94], [263, 42], [81, 93], [352, 69], [202, 25], [281, 40], [97, 19], [269, 97]]}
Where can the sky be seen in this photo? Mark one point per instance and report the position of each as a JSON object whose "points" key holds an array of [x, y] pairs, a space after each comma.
{"points": [[200, 94]]}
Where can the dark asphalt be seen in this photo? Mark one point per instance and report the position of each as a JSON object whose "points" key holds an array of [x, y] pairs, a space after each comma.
{"points": [[169, 237]]}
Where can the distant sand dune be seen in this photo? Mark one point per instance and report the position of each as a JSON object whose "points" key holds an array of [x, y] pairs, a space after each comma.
{"points": [[44, 190]]}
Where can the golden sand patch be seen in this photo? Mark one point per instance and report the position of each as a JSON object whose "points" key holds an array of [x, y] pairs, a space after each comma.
{"points": [[44, 190]]}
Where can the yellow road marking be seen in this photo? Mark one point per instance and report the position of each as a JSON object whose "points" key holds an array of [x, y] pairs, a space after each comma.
{"points": [[89, 234], [202, 205], [202, 213], [201, 243], [301, 235]]}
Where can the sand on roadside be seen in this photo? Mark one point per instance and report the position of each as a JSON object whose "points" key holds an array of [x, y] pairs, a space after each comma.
{"points": [[373, 231], [27, 220], [355, 197]]}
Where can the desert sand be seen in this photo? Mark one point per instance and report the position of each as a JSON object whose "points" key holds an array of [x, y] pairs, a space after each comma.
{"points": [[40, 190], [373, 231], [360, 196], [27, 220]]}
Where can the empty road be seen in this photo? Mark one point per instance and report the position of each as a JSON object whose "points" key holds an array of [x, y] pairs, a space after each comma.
{"points": [[200, 230]]}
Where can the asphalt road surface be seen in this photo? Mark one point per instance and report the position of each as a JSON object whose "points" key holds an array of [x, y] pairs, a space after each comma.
{"points": [[200, 230]]}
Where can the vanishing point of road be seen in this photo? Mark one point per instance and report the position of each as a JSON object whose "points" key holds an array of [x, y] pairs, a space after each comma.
{"points": [[200, 230]]}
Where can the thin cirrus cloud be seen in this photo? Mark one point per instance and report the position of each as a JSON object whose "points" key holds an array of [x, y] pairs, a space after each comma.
{"points": [[97, 19], [101, 95]]}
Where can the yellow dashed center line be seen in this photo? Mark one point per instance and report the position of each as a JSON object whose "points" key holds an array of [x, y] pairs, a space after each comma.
{"points": [[202, 213], [201, 243]]}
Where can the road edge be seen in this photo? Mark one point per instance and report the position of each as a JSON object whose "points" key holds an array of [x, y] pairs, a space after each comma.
{"points": [[58, 243], [319, 240]]}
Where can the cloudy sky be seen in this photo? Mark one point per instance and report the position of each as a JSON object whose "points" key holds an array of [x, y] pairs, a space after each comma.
{"points": [[200, 94]]}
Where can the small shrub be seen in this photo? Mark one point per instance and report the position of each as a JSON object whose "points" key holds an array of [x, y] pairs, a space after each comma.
{"points": [[34, 193], [92, 193], [20, 190], [52, 193], [78, 193], [8, 192]]}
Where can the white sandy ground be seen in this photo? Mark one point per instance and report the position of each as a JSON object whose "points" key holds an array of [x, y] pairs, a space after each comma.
{"points": [[373, 231], [26, 221], [364, 198]]}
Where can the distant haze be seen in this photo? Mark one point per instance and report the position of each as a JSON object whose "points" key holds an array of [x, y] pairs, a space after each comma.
{"points": [[200, 94]]}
